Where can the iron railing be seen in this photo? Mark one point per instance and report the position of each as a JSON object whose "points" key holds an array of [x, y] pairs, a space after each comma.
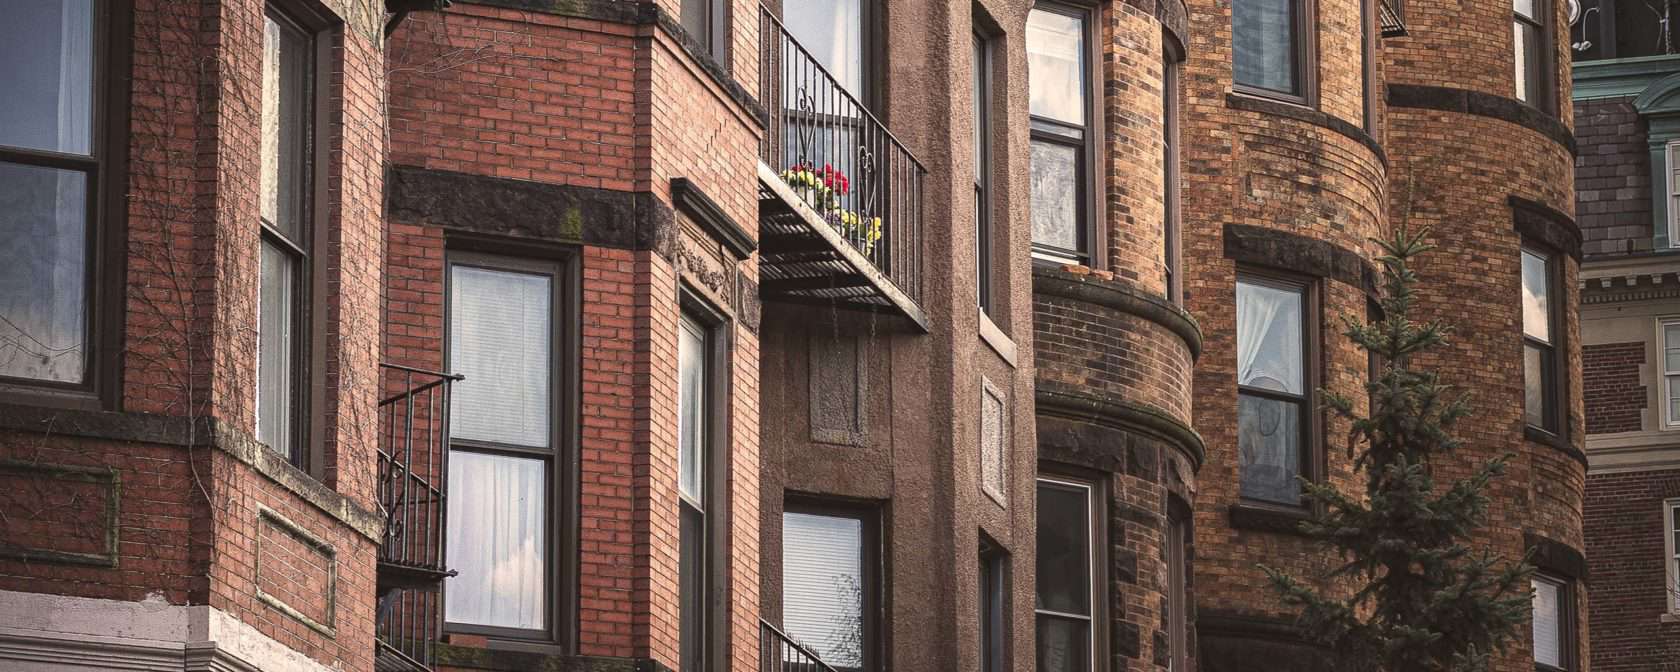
{"points": [[839, 158], [413, 455], [779, 653]]}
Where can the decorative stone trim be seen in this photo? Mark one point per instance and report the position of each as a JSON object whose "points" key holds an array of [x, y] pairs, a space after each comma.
{"points": [[711, 217], [1120, 297], [1464, 101], [65, 472], [1274, 248], [1060, 401], [1555, 556], [1308, 115], [266, 515], [184, 432], [1557, 443], [1267, 519], [1546, 225], [556, 213]]}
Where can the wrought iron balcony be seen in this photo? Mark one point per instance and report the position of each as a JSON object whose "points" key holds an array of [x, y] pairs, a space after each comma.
{"points": [[779, 653], [840, 198], [413, 449]]}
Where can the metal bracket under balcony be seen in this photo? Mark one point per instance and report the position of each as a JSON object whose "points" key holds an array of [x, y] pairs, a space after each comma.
{"points": [[804, 257]]}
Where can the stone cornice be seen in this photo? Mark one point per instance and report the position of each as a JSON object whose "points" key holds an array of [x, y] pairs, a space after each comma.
{"points": [[1080, 404], [1120, 297], [1465, 101]]}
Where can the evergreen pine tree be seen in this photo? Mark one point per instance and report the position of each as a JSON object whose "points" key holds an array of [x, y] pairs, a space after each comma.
{"points": [[1409, 594]]}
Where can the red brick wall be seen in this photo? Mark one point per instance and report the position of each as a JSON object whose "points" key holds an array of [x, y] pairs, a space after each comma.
{"points": [[1615, 397], [1625, 530]]}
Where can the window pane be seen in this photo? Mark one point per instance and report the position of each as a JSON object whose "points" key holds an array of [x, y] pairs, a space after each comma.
{"points": [[979, 110], [832, 32], [1536, 297], [1526, 42], [1548, 623], [1056, 66], [1064, 644], [1269, 347], [496, 540], [697, 20], [275, 346], [1535, 384], [47, 46], [500, 335], [822, 586], [1671, 348], [1055, 195], [285, 113], [43, 284], [691, 413], [1269, 441], [1674, 399], [1263, 44], [1523, 7], [1064, 548], [692, 575]]}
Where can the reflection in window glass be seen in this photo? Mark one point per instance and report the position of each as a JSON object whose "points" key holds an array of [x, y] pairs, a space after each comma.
{"points": [[47, 46], [276, 345], [823, 586], [496, 540], [1056, 66], [1055, 195], [43, 284], [1539, 353], [1264, 46]]}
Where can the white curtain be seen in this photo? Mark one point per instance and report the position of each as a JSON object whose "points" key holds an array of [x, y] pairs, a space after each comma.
{"points": [[822, 586], [691, 417], [496, 540], [500, 336], [75, 77], [832, 31], [1269, 338]]}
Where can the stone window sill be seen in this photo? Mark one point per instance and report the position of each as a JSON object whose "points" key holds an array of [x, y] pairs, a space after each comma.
{"points": [[994, 337], [1269, 519]]}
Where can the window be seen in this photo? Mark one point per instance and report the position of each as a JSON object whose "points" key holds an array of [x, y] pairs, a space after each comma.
{"points": [[1275, 383], [1368, 64], [1554, 623], [1271, 48], [1672, 154], [1178, 599], [1172, 64], [1065, 605], [982, 166], [1541, 389], [1671, 372], [832, 32], [1062, 145], [1671, 522], [695, 410], [286, 282], [1530, 46], [705, 21], [828, 584], [994, 630], [504, 433], [51, 168]]}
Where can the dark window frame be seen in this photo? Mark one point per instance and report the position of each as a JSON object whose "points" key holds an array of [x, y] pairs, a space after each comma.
{"points": [[1176, 550], [1568, 647], [310, 293], [1172, 81], [994, 606], [713, 40], [717, 357], [874, 571], [1313, 455], [1097, 485], [1554, 355], [1368, 64], [1305, 35], [1544, 94], [1091, 228], [105, 222], [563, 265], [982, 173]]}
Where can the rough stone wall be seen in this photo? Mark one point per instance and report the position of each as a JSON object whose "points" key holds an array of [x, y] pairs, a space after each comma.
{"points": [[1629, 616], [1613, 178]]}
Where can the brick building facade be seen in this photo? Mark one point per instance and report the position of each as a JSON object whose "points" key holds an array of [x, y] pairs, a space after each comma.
{"points": [[1630, 337], [720, 335]]}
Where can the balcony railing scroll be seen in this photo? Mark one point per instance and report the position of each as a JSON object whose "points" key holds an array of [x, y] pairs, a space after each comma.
{"points": [[413, 454], [833, 154], [779, 653]]}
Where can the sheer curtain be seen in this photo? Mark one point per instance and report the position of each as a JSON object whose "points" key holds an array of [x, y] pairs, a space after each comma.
{"points": [[496, 528], [1269, 338]]}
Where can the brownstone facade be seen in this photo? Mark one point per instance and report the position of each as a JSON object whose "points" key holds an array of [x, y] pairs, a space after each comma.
{"points": [[796, 352]]}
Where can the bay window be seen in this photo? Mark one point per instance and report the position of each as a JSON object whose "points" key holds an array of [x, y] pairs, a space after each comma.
{"points": [[503, 445], [1531, 45], [1553, 623], [1272, 48], [1671, 372], [697, 408], [1275, 383], [1541, 389], [1068, 576], [1062, 141]]}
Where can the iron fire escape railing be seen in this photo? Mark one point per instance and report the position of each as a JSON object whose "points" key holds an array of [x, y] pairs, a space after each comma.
{"points": [[779, 653], [837, 157], [413, 463]]}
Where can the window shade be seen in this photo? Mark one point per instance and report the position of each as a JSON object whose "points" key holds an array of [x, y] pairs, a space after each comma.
{"points": [[1548, 623], [500, 336], [822, 586]]}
